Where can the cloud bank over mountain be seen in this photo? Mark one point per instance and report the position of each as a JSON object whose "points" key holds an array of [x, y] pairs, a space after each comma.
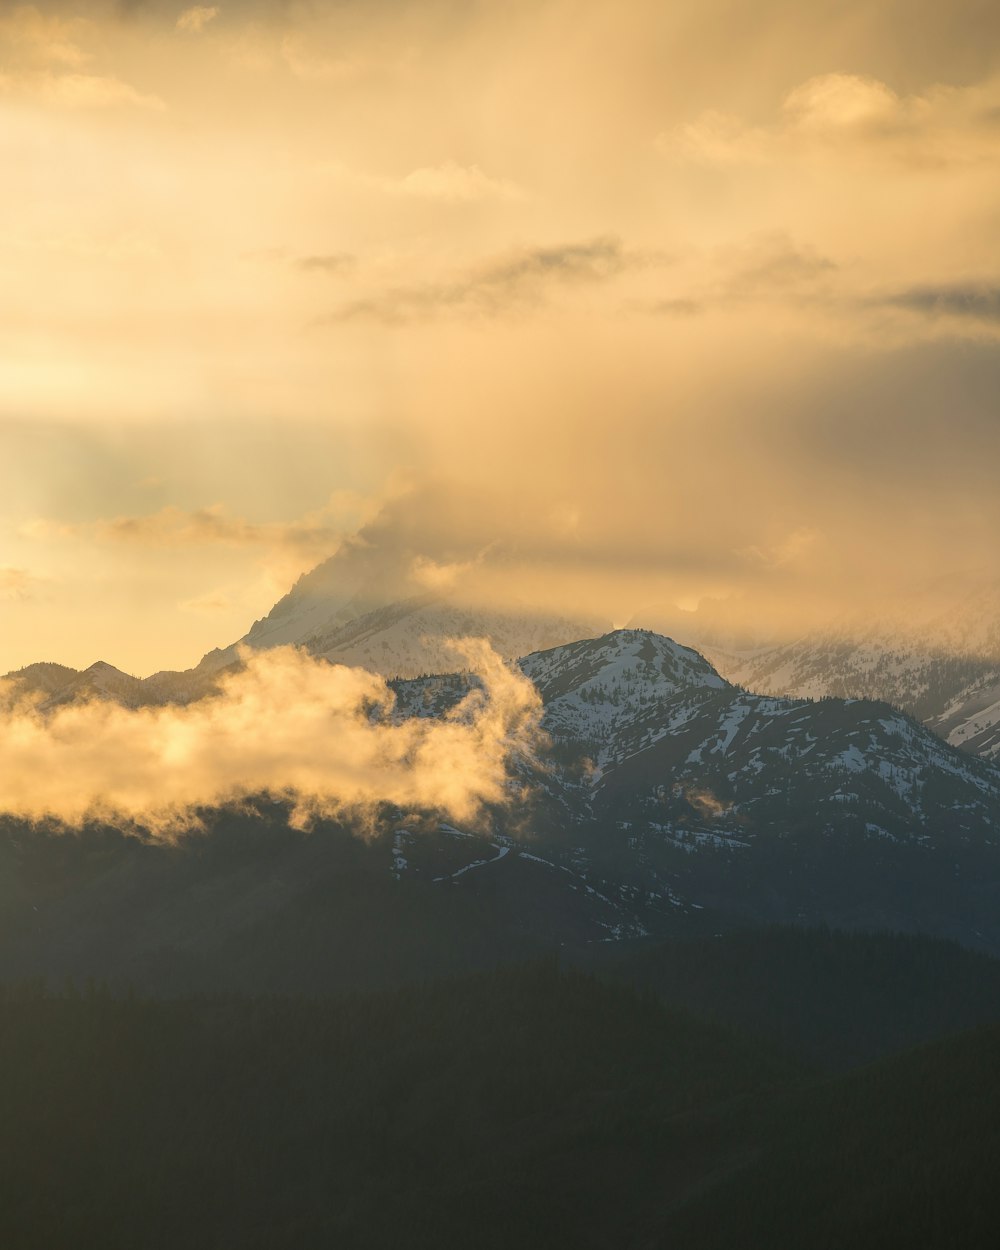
{"points": [[321, 736], [637, 303]]}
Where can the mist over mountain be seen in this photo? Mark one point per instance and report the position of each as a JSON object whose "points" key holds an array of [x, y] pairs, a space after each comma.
{"points": [[362, 607], [934, 652]]}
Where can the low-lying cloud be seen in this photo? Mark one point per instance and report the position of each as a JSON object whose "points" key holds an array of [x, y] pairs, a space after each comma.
{"points": [[324, 738]]}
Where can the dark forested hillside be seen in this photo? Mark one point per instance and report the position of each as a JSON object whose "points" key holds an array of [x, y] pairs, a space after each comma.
{"points": [[898, 1155], [834, 999], [525, 1108]]}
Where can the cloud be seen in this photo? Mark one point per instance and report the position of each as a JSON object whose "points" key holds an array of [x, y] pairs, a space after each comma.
{"points": [[328, 262], [843, 102], [194, 20], [678, 306], [836, 480], [323, 737], [824, 197], [43, 529], [446, 183], [306, 61], [784, 552], [594, 260], [849, 115], [714, 138], [44, 58], [457, 183], [176, 527], [438, 576], [768, 267], [520, 279], [215, 603], [30, 37], [82, 91], [771, 263], [16, 584], [313, 535], [972, 301]]}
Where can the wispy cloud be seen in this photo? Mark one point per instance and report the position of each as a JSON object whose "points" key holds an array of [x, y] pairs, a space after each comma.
{"points": [[456, 183], [767, 267], [522, 278], [678, 306], [215, 603], [312, 63], [17, 584], [972, 301], [44, 60], [448, 182], [310, 537], [80, 91], [832, 116], [327, 262], [30, 37], [176, 527], [771, 263], [194, 20]]}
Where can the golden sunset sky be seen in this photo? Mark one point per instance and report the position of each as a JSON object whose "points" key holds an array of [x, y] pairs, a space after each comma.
{"points": [[595, 305]]}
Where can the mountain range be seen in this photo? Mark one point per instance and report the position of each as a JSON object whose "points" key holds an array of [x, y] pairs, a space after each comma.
{"points": [[668, 798], [936, 656], [667, 801], [940, 663], [673, 792]]}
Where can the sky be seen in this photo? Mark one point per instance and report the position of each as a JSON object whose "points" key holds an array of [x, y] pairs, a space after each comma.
{"points": [[603, 308]]}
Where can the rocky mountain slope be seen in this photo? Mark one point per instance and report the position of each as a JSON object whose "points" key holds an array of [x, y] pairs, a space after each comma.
{"points": [[673, 791], [956, 695], [939, 663]]}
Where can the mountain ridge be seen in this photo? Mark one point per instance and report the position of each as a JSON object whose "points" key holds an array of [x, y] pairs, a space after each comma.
{"points": [[936, 656], [666, 802]]}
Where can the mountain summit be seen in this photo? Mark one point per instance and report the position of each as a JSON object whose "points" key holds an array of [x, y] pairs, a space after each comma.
{"points": [[354, 609]]}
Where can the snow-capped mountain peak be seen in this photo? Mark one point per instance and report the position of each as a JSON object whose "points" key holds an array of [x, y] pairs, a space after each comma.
{"points": [[605, 690], [630, 660], [352, 610]]}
